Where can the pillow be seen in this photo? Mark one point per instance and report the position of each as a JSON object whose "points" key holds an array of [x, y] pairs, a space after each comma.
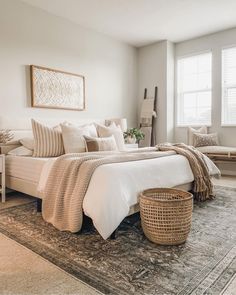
{"points": [[95, 144], [73, 137], [114, 130], [205, 139], [47, 141], [28, 142], [92, 130], [21, 151], [192, 131]]}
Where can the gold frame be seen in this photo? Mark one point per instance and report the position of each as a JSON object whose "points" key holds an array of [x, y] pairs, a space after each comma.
{"points": [[32, 67]]}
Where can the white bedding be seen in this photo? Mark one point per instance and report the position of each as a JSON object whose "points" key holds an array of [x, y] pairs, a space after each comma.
{"points": [[114, 188], [27, 168]]}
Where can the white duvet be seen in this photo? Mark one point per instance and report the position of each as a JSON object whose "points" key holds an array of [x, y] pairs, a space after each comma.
{"points": [[114, 188]]}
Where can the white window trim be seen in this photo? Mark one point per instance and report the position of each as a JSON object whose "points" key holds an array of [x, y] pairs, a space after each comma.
{"points": [[223, 88], [177, 125]]}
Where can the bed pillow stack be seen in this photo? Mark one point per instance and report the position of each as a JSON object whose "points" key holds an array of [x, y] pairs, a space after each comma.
{"points": [[69, 138]]}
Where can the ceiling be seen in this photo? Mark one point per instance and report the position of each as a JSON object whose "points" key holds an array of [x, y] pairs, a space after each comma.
{"points": [[140, 22]]}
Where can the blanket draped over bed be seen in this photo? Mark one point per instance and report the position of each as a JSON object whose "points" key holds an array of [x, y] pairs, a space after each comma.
{"points": [[202, 185], [70, 176], [68, 182]]}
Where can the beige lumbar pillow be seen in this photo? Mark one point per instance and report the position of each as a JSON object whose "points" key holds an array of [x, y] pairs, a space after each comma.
{"points": [[205, 139], [192, 131], [73, 137], [95, 144], [47, 141], [114, 130], [28, 142]]}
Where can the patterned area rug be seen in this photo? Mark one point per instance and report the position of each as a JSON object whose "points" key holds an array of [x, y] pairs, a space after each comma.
{"points": [[131, 264]]}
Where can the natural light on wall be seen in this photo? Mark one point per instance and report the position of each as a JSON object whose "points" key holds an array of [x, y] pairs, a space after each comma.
{"points": [[194, 79], [229, 86]]}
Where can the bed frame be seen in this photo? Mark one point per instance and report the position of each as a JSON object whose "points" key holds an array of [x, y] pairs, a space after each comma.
{"points": [[30, 188], [222, 158]]}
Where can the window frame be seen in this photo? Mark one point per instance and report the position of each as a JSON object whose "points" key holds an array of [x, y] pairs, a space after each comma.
{"points": [[223, 88], [178, 125]]}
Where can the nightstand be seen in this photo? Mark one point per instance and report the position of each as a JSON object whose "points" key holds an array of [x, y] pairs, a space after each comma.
{"points": [[131, 146], [2, 172]]}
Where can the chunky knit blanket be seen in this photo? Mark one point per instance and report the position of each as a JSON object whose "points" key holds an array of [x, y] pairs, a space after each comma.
{"points": [[202, 186], [68, 182]]}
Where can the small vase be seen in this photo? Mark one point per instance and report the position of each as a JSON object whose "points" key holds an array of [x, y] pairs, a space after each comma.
{"points": [[131, 140]]}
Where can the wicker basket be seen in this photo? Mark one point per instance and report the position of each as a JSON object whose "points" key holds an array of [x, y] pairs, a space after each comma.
{"points": [[166, 215]]}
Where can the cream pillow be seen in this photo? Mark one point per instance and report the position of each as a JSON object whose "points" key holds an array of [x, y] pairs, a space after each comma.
{"points": [[114, 130], [192, 131], [47, 141], [92, 129], [28, 142], [73, 137], [95, 144], [205, 139], [21, 151]]}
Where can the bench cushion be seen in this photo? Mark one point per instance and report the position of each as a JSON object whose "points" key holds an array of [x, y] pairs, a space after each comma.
{"points": [[217, 149]]}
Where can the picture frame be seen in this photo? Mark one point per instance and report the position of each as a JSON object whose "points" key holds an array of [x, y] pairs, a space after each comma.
{"points": [[55, 89]]}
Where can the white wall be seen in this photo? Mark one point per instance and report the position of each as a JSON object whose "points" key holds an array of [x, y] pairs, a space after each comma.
{"points": [[156, 68], [214, 42], [32, 36]]}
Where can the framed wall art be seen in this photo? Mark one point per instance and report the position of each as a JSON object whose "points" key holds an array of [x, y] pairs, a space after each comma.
{"points": [[57, 89]]}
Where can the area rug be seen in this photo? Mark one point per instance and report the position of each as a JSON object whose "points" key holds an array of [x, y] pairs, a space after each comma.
{"points": [[205, 264]]}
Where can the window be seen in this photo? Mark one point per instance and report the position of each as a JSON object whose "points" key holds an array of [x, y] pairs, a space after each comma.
{"points": [[229, 86], [194, 90]]}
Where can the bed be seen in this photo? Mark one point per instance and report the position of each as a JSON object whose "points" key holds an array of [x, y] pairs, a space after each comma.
{"points": [[109, 197]]}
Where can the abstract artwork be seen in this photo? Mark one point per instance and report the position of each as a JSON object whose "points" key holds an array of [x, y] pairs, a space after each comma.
{"points": [[57, 89]]}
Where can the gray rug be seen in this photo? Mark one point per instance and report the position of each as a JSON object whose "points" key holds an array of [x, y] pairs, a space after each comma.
{"points": [[131, 264]]}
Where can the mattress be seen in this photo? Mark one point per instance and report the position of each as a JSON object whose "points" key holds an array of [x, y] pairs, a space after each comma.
{"points": [[26, 168]]}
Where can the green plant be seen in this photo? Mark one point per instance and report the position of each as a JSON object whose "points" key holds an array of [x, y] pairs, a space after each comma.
{"points": [[134, 133]]}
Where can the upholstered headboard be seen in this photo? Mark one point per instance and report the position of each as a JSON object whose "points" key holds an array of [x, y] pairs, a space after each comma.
{"points": [[21, 127]]}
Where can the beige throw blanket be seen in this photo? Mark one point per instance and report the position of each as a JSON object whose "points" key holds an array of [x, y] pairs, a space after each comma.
{"points": [[68, 182], [202, 186]]}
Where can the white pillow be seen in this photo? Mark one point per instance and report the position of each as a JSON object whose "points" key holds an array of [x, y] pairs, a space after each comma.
{"points": [[92, 129], [21, 151], [192, 131], [28, 142], [114, 130], [73, 137]]}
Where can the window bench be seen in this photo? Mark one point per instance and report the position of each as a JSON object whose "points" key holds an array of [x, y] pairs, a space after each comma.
{"points": [[219, 154]]}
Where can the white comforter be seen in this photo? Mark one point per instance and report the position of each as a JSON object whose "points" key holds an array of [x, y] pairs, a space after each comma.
{"points": [[114, 188]]}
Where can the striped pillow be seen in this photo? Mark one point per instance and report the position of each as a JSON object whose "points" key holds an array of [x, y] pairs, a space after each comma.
{"points": [[47, 141]]}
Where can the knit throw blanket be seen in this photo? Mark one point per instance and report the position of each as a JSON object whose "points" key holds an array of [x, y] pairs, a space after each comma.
{"points": [[68, 182], [202, 185]]}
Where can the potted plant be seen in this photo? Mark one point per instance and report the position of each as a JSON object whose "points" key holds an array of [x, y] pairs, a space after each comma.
{"points": [[133, 135]]}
